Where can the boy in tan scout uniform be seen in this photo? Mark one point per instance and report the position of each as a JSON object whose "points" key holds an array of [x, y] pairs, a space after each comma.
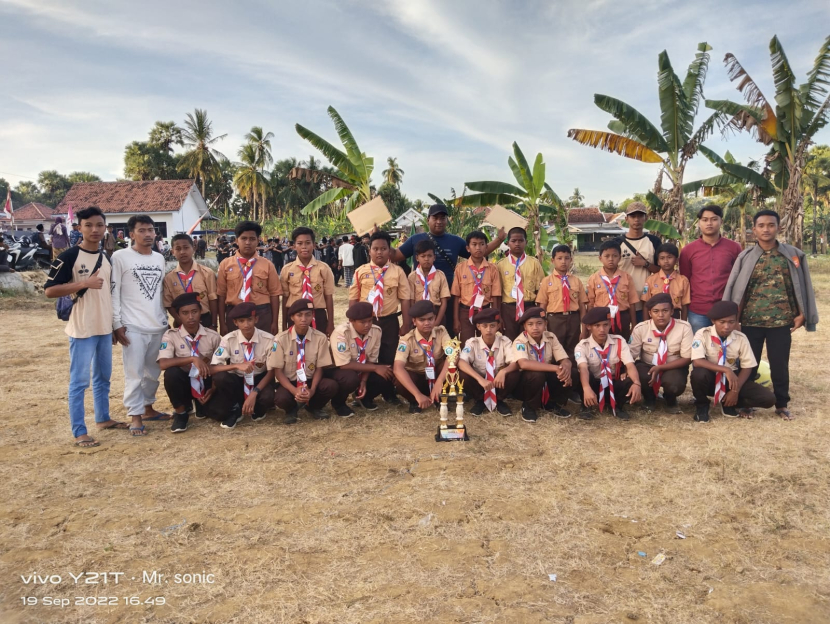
{"points": [[599, 359], [420, 357], [662, 350], [563, 297], [724, 373], [384, 285], [428, 283], [487, 365], [521, 276], [544, 365], [249, 277], [669, 281], [184, 358], [609, 287], [238, 370], [354, 348], [190, 277], [308, 278], [297, 361], [476, 286]]}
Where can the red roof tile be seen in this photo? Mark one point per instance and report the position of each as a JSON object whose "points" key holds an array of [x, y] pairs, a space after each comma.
{"points": [[33, 211], [115, 197], [586, 215]]}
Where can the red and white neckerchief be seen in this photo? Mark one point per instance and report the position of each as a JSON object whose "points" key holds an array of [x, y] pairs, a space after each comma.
{"points": [[611, 287], [566, 293], [247, 270], [720, 378], [426, 345], [376, 294], [539, 352], [425, 279], [248, 352], [197, 384], [302, 379], [490, 398], [186, 280], [606, 377], [361, 349], [478, 293], [667, 282], [307, 293], [662, 353], [519, 287]]}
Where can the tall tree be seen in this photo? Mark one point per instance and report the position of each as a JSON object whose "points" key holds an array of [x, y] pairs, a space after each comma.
{"points": [[201, 160], [249, 180], [145, 161], [27, 191], [816, 182], [261, 142], [166, 134], [53, 187], [393, 174], [577, 200], [82, 176]]}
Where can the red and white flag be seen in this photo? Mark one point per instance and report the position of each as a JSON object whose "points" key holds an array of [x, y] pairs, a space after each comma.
{"points": [[8, 209]]}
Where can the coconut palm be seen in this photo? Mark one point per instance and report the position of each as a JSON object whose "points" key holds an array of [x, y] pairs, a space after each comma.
{"points": [[166, 134], [394, 174], [577, 199], [789, 128], [249, 181], [673, 145], [262, 148], [200, 160]]}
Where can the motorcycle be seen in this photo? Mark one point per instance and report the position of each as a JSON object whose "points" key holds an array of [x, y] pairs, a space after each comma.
{"points": [[24, 256]]}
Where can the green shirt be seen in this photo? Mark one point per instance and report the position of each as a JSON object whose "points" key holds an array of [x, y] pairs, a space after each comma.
{"points": [[770, 298]]}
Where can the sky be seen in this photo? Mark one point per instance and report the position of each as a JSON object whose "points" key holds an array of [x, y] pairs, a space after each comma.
{"points": [[445, 87]]}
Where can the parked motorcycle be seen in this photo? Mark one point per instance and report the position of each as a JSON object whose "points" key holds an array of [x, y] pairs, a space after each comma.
{"points": [[23, 255]]}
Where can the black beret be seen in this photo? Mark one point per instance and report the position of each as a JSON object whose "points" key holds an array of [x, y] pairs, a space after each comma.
{"points": [[299, 305], [243, 310], [658, 299], [595, 315], [185, 299], [487, 315], [722, 309], [359, 311], [534, 312], [421, 308]]}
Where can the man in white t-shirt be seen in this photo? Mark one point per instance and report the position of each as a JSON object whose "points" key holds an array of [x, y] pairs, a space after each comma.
{"points": [[346, 260], [139, 320]]}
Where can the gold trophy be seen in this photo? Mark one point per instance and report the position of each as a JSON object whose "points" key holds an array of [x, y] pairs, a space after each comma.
{"points": [[453, 389]]}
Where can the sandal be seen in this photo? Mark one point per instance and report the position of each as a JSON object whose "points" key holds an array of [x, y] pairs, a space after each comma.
{"points": [[784, 413], [115, 425], [158, 416], [138, 431], [87, 443]]}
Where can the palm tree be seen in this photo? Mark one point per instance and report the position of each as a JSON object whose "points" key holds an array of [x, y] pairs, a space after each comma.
{"points": [[816, 182], [576, 200], [248, 179], [262, 148], [201, 160], [394, 174], [634, 136], [166, 134], [800, 112]]}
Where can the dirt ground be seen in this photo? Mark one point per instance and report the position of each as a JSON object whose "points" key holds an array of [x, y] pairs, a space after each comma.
{"points": [[370, 520]]}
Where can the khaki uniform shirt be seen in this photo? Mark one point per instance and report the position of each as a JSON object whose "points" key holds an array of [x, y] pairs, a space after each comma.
{"points": [[411, 353], [395, 286], [175, 345], [438, 287], [322, 282], [475, 355], [232, 351], [554, 351], [463, 283], [284, 353], [598, 297], [203, 284], [344, 349], [644, 343], [550, 294], [264, 285], [532, 276], [678, 288], [738, 352], [585, 355]]}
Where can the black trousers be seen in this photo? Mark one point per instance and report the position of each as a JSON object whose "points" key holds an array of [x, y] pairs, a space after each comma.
{"points": [[566, 328], [474, 391], [672, 381], [621, 388], [532, 383], [348, 381], [468, 330], [449, 315], [230, 390], [779, 340], [390, 328], [508, 319], [420, 381], [325, 391], [750, 395], [177, 387]]}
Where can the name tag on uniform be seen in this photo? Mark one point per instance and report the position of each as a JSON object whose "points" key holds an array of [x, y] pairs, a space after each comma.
{"points": [[479, 301], [430, 372], [514, 293], [249, 379], [301, 374]]}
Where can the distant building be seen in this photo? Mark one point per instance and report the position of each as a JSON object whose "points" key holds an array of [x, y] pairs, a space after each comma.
{"points": [[590, 228], [29, 216], [407, 219]]}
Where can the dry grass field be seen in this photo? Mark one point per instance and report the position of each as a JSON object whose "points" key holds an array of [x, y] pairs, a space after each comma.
{"points": [[369, 520]]}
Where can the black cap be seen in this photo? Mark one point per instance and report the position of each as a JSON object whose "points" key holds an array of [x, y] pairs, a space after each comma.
{"points": [[421, 308], [299, 305], [722, 309], [185, 299], [359, 311], [534, 312], [438, 209], [595, 315], [487, 315], [243, 310]]}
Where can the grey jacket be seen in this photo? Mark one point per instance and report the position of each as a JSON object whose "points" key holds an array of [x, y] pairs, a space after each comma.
{"points": [[800, 274]]}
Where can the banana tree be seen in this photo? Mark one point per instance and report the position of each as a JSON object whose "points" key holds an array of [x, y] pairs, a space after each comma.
{"points": [[460, 221], [533, 197], [816, 182], [789, 128], [673, 145], [352, 179]]}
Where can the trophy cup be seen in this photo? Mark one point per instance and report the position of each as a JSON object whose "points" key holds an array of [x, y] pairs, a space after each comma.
{"points": [[453, 389]]}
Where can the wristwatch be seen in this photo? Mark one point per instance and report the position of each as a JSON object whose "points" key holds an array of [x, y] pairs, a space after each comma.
{"points": [[256, 389]]}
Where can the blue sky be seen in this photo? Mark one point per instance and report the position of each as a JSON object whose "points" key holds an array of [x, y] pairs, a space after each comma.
{"points": [[446, 87]]}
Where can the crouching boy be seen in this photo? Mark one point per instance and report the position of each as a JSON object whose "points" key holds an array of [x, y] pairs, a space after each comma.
{"points": [[723, 363], [184, 358]]}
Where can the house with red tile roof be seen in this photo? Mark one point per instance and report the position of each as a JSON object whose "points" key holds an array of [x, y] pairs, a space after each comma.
{"points": [[28, 216]]}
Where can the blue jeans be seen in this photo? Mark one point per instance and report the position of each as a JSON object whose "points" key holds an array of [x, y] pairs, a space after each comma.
{"points": [[698, 321], [94, 352]]}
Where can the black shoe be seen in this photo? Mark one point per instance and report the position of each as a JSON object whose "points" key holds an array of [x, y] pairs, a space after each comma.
{"points": [[671, 401], [179, 423], [503, 409], [344, 411], [414, 409], [649, 405], [529, 414], [256, 418], [478, 408], [290, 417], [729, 412], [200, 412], [586, 414], [561, 412], [393, 400], [622, 414], [230, 421], [370, 405], [702, 413], [672, 406], [575, 397], [318, 413]]}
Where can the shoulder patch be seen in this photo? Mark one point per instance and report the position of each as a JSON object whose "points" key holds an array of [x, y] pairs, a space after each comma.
{"points": [[696, 344], [467, 349], [341, 347], [577, 355], [219, 352], [520, 346], [402, 347], [163, 346], [274, 346], [630, 338]]}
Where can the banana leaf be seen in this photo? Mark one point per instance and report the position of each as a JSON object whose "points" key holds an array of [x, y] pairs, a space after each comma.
{"points": [[663, 229], [326, 198], [635, 124], [496, 187], [616, 143]]}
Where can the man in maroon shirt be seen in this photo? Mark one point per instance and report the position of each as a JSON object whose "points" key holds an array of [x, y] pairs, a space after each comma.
{"points": [[707, 263]]}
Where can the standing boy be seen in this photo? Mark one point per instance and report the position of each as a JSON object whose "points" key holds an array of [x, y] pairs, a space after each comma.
{"points": [[521, 276], [637, 253], [139, 320], [609, 287], [246, 277], [190, 277], [564, 299], [476, 286], [308, 278], [669, 281], [428, 283], [184, 357]]}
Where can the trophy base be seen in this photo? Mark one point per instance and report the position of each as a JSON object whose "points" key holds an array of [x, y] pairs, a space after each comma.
{"points": [[452, 434]]}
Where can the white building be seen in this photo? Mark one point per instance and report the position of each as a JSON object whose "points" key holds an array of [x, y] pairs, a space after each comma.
{"points": [[405, 221]]}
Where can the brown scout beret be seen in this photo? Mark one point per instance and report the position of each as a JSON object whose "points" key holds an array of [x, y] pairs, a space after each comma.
{"points": [[534, 312], [595, 315], [421, 308], [722, 309], [359, 311], [487, 315], [300, 305], [243, 310]]}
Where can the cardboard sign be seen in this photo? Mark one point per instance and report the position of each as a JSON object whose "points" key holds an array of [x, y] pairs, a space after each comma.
{"points": [[501, 217], [368, 215]]}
